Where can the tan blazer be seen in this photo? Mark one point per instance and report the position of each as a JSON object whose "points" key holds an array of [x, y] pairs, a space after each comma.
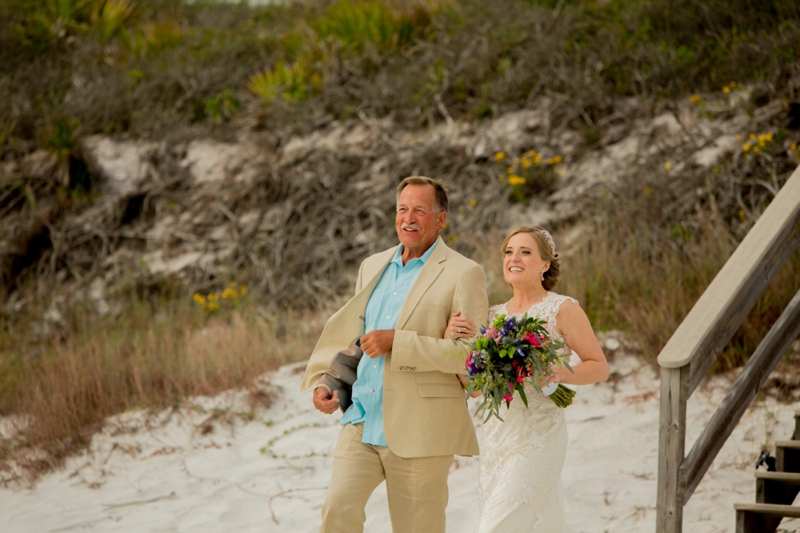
{"points": [[424, 405]]}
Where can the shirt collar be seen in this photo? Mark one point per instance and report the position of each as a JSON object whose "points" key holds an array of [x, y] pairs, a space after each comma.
{"points": [[398, 254]]}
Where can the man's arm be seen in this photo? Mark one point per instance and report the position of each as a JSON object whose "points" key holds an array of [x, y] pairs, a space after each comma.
{"points": [[421, 353], [325, 398]]}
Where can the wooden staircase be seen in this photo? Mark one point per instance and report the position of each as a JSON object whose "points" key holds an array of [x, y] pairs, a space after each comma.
{"points": [[692, 351], [775, 491]]}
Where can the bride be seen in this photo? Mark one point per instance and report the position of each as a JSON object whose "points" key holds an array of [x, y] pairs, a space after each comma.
{"points": [[521, 458]]}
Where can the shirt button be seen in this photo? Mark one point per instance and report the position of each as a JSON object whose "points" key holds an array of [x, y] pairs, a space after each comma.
{"points": [[374, 366], [394, 294], [387, 318], [372, 390]]}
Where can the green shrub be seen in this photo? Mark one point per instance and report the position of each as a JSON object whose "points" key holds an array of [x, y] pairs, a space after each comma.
{"points": [[291, 83], [389, 27]]}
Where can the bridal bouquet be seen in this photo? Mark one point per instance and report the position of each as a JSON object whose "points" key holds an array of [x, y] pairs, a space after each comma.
{"points": [[509, 353]]}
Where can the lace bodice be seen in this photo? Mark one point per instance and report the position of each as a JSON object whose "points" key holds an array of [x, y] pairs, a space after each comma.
{"points": [[547, 310]]}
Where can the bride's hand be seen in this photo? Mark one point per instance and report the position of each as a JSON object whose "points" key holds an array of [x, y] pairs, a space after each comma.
{"points": [[460, 327], [555, 377]]}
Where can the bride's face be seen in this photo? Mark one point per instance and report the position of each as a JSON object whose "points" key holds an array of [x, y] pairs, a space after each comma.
{"points": [[522, 264]]}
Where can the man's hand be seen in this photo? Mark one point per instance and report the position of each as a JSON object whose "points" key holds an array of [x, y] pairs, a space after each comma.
{"points": [[378, 342], [324, 402]]}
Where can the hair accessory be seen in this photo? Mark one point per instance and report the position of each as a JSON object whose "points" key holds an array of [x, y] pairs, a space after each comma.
{"points": [[549, 239]]}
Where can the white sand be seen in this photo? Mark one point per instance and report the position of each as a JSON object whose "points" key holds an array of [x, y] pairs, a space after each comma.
{"points": [[270, 473]]}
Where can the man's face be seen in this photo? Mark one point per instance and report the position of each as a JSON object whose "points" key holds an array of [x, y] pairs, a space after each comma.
{"points": [[417, 222]]}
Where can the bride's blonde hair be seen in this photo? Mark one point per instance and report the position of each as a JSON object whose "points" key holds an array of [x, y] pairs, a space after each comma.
{"points": [[546, 252]]}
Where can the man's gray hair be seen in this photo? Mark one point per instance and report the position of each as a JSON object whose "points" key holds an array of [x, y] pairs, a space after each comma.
{"points": [[440, 202]]}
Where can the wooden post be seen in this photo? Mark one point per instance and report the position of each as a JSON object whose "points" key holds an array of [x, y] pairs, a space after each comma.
{"points": [[671, 445]]}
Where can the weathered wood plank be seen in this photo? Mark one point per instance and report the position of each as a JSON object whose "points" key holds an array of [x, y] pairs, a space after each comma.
{"points": [[769, 509], [761, 517], [700, 365], [671, 446], [784, 477], [763, 361], [739, 284]]}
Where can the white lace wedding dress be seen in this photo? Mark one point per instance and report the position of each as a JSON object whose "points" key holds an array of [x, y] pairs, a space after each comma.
{"points": [[521, 458]]}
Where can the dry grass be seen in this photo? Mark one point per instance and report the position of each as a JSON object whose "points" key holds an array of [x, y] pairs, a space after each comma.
{"points": [[148, 357], [644, 281]]}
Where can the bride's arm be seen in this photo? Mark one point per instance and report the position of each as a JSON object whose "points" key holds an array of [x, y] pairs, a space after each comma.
{"points": [[460, 327], [579, 336]]}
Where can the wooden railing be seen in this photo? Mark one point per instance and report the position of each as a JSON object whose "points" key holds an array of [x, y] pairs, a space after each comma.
{"points": [[702, 336]]}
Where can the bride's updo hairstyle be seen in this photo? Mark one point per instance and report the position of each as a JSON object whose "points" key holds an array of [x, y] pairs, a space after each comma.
{"points": [[546, 251]]}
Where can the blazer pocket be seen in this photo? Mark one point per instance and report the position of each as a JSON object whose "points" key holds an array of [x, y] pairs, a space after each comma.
{"points": [[440, 390]]}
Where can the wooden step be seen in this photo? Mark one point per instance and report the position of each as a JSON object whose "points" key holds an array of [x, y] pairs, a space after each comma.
{"points": [[787, 455], [762, 517], [790, 478], [777, 487]]}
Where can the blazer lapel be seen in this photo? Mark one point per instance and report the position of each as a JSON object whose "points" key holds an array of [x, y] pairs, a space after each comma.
{"points": [[430, 271]]}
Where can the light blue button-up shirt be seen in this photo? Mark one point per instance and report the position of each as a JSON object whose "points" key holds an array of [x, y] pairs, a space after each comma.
{"points": [[383, 310]]}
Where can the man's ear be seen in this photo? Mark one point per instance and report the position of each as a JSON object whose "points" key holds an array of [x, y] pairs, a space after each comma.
{"points": [[441, 218]]}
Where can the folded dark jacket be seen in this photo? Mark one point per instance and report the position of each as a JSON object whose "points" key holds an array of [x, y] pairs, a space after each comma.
{"points": [[343, 373]]}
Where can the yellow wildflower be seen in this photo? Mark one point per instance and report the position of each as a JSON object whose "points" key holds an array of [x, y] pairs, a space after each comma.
{"points": [[554, 160], [510, 170], [516, 180], [212, 297], [746, 147], [667, 165], [732, 85], [648, 190], [526, 163], [537, 158], [741, 214], [242, 290], [755, 149], [500, 178], [473, 202], [229, 293], [753, 136], [794, 146], [444, 226], [726, 89], [695, 98], [499, 156]]}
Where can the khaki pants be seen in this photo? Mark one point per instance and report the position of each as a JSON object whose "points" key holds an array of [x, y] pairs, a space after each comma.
{"points": [[416, 487]]}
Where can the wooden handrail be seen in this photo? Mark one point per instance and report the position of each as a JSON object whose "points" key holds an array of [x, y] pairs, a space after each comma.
{"points": [[704, 333], [763, 361], [735, 289]]}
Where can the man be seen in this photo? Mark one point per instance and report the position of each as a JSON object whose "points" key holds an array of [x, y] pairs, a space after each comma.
{"points": [[408, 415]]}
